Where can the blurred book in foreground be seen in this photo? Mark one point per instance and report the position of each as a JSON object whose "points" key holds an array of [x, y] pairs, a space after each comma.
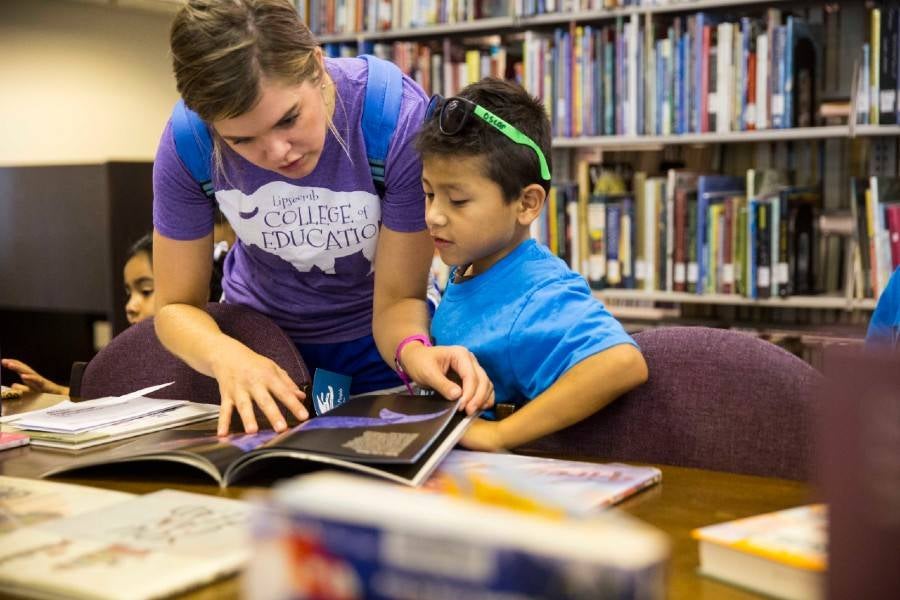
{"points": [[67, 541], [542, 485], [330, 535], [782, 554]]}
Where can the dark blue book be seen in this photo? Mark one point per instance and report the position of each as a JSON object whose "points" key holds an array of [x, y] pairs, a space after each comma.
{"points": [[711, 188]]}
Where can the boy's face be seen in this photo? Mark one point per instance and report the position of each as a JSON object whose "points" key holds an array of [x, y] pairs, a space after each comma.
{"points": [[466, 214]]}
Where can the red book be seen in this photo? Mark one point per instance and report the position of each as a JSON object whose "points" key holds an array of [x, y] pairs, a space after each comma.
{"points": [[750, 116], [704, 81], [892, 220]]}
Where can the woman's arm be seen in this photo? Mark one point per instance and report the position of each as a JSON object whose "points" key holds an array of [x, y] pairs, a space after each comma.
{"points": [[181, 270], [580, 392], [402, 262]]}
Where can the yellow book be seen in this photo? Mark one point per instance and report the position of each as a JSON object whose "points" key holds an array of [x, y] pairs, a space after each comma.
{"points": [[553, 236], [473, 66], [782, 554], [577, 76]]}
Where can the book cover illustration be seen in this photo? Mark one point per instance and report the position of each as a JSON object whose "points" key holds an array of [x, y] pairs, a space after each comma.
{"points": [[547, 486], [25, 502], [143, 547]]}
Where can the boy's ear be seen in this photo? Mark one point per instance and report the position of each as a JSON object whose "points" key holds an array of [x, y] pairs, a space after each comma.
{"points": [[531, 202]]}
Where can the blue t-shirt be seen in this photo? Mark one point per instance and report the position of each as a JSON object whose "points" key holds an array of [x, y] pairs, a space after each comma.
{"points": [[528, 319], [884, 328]]}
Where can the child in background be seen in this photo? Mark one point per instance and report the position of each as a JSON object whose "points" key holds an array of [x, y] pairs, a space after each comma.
{"points": [[138, 275], [550, 348]]}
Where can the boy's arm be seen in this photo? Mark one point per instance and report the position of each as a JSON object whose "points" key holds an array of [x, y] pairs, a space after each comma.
{"points": [[580, 392]]}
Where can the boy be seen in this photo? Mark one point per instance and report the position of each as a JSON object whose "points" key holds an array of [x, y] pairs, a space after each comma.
{"points": [[549, 347], [884, 327]]}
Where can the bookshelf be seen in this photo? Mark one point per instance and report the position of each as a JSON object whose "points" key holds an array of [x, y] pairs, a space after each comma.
{"points": [[557, 67], [811, 302]]}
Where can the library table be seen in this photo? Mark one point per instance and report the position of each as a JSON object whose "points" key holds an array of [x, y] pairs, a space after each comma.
{"points": [[685, 499]]}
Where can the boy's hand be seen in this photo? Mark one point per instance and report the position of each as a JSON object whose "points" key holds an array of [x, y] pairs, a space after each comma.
{"points": [[429, 366], [483, 435]]}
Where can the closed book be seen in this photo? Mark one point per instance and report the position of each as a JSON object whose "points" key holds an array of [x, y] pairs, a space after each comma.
{"points": [[336, 536], [781, 554], [892, 219]]}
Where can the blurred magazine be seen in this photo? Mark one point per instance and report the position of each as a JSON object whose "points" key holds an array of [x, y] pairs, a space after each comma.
{"points": [[541, 485]]}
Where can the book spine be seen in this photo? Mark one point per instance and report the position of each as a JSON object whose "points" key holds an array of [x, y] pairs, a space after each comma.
{"points": [[613, 241], [888, 78], [763, 251], [597, 234], [679, 278]]}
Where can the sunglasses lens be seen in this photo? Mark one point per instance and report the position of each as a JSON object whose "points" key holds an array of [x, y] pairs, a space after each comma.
{"points": [[433, 106], [453, 116]]}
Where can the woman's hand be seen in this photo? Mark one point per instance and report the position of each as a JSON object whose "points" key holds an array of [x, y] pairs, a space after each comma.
{"points": [[32, 380], [247, 379], [430, 367]]}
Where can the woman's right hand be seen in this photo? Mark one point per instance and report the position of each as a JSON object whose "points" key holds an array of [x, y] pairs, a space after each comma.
{"points": [[246, 379]]}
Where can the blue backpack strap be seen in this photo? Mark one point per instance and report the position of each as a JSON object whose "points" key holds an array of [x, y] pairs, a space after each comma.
{"points": [[381, 111], [194, 145]]}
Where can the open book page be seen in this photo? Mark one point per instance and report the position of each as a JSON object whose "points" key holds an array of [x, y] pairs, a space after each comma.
{"points": [[145, 547], [542, 485], [378, 434], [26, 502]]}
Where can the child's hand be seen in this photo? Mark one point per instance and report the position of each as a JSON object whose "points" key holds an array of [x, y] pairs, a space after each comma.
{"points": [[483, 435], [32, 380], [429, 367]]}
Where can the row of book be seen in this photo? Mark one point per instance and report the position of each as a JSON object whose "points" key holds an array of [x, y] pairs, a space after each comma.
{"points": [[443, 67], [876, 213], [360, 16], [698, 74], [878, 79], [756, 236], [368, 16]]}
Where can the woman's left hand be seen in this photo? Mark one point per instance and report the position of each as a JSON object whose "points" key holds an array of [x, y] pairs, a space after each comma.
{"points": [[430, 366]]}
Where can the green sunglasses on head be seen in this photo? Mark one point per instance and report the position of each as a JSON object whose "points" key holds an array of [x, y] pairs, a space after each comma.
{"points": [[453, 113]]}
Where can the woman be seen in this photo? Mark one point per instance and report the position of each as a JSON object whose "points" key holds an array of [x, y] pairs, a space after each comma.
{"points": [[341, 270], [139, 305]]}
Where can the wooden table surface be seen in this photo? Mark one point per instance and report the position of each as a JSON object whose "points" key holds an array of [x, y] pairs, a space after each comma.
{"points": [[685, 499]]}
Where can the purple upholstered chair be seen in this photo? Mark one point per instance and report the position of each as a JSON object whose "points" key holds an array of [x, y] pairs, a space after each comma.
{"points": [[136, 359], [716, 399]]}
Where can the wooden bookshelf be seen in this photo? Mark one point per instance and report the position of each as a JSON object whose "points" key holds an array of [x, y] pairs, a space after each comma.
{"points": [[811, 302]]}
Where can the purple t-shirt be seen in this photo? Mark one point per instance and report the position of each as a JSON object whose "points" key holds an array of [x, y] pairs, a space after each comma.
{"points": [[306, 246]]}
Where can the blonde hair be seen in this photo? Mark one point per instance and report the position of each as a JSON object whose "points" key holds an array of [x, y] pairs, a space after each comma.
{"points": [[223, 49]]}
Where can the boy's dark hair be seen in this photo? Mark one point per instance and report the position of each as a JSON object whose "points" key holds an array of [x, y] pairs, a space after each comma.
{"points": [[510, 165], [144, 244]]}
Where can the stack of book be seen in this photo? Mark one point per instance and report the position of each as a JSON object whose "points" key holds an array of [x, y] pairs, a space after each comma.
{"points": [[80, 425]]}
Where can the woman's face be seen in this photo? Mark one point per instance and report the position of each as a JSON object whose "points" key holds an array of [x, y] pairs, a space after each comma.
{"points": [[285, 131], [138, 275]]}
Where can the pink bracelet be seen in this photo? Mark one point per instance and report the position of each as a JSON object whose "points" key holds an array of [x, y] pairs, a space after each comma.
{"points": [[418, 337]]}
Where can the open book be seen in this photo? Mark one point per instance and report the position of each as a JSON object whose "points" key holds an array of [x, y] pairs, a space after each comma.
{"points": [[69, 541], [398, 437]]}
